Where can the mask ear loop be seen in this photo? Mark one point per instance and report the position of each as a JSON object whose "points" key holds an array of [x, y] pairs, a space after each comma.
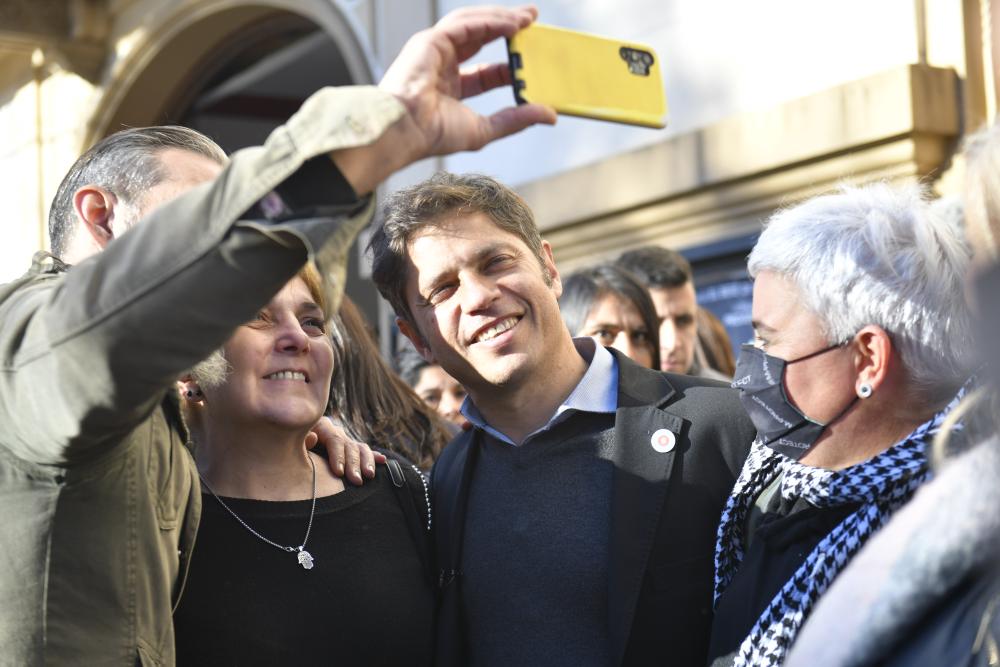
{"points": [[784, 367], [843, 412], [819, 352], [816, 354]]}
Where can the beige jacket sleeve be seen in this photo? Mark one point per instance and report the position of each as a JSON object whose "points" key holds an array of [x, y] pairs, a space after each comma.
{"points": [[85, 355]]}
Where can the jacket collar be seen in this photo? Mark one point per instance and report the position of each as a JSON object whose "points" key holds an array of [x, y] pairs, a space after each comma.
{"points": [[639, 386], [639, 487]]}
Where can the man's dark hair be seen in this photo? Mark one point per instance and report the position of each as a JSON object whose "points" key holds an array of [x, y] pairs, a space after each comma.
{"points": [[657, 266], [126, 164], [425, 204], [583, 288]]}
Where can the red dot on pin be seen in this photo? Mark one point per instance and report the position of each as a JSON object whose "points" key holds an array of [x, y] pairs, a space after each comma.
{"points": [[663, 440]]}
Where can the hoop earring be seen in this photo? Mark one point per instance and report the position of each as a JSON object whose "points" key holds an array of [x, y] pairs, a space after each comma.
{"points": [[865, 390]]}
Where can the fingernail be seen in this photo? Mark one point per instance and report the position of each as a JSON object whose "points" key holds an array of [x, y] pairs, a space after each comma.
{"points": [[371, 469], [357, 472]]}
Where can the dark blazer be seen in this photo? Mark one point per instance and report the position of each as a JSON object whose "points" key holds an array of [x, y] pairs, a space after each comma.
{"points": [[665, 510]]}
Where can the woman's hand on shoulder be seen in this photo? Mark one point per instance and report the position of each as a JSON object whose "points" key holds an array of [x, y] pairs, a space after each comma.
{"points": [[347, 457]]}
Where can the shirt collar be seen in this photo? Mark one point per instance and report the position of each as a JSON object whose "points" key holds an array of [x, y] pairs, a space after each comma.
{"points": [[596, 392]]}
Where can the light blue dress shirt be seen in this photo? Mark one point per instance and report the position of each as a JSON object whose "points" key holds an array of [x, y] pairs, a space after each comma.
{"points": [[597, 391]]}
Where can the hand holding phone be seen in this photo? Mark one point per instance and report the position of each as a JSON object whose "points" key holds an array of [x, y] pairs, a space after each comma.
{"points": [[580, 74]]}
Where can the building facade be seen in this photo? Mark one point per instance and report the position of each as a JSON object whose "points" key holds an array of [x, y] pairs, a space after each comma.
{"points": [[770, 102]]}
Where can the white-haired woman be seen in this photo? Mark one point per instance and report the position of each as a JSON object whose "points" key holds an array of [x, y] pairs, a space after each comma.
{"points": [[861, 343], [925, 589]]}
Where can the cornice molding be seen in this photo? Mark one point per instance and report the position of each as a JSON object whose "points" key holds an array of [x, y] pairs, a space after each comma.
{"points": [[721, 181]]}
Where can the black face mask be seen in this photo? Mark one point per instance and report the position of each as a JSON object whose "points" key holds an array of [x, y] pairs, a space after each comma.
{"points": [[780, 425]]}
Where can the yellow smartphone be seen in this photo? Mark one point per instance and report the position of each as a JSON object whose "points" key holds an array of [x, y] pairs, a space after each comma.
{"points": [[580, 74]]}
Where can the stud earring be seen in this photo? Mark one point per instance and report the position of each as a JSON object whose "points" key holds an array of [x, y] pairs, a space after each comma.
{"points": [[191, 393], [865, 390]]}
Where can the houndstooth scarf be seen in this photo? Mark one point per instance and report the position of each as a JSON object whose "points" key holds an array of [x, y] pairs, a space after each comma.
{"points": [[881, 484]]}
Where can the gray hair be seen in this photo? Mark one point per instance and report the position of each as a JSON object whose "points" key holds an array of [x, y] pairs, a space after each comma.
{"points": [[880, 255], [212, 371], [126, 164]]}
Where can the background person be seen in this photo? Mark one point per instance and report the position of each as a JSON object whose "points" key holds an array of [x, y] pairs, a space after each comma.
{"points": [[860, 347], [100, 493], [714, 342], [375, 405], [438, 390], [609, 305], [670, 281], [278, 530]]}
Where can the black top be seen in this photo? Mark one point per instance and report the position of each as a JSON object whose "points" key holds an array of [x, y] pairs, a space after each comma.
{"points": [[785, 535], [366, 601]]}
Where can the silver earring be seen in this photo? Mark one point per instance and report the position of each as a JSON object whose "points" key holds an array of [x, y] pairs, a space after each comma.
{"points": [[865, 390], [191, 393]]}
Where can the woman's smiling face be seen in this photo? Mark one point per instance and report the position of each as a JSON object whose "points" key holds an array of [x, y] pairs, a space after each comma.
{"points": [[280, 364]]}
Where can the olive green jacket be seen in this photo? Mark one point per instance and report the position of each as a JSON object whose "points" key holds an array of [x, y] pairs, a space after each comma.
{"points": [[99, 497]]}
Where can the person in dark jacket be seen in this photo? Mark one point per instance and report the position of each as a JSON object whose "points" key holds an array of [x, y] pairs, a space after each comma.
{"points": [[171, 252], [574, 523], [861, 349]]}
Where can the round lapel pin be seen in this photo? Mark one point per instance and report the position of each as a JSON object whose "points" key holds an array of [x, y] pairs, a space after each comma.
{"points": [[663, 440]]}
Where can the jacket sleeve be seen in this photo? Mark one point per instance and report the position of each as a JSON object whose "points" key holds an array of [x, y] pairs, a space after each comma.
{"points": [[86, 355]]}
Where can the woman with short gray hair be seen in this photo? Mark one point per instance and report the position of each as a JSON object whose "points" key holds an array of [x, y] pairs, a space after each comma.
{"points": [[861, 346], [925, 589]]}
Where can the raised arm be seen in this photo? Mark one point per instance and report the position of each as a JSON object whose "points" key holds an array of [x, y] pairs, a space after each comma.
{"points": [[427, 79], [87, 354]]}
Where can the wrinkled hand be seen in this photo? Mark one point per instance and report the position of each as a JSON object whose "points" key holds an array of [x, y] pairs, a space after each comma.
{"points": [[345, 454], [426, 78]]}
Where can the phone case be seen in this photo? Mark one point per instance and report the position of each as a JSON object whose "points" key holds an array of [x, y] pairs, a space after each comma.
{"points": [[586, 75]]}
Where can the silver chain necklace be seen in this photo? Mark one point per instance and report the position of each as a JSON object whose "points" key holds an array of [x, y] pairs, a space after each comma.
{"points": [[305, 558]]}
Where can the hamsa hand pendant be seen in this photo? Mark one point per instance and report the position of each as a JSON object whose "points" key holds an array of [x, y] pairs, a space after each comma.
{"points": [[305, 559]]}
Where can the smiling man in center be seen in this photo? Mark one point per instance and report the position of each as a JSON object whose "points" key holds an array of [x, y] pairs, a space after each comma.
{"points": [[575, 523]]}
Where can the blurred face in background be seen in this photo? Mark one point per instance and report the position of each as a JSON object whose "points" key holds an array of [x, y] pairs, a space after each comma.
{"points": [[677, 308], [616, 322], [441, 392]]}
